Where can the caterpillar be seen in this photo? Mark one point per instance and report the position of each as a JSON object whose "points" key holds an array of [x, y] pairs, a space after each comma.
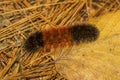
{"points": [[62, 36]]}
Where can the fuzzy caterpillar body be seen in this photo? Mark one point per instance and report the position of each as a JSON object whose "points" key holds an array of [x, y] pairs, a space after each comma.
{"points": [[62, 36]]}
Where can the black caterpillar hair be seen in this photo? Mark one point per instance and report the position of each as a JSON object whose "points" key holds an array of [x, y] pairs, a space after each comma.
{"points": [[84, 33], [34, 42]]}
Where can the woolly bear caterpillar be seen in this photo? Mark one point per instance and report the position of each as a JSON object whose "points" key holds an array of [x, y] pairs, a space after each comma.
{"points": [[62, 36]]}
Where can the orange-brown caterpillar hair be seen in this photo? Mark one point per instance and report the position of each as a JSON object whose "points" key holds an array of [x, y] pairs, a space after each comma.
{"points": [[62, 36]]}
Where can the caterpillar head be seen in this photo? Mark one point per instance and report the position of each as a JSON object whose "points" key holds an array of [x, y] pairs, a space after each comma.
{"points": [[34, 42]]}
